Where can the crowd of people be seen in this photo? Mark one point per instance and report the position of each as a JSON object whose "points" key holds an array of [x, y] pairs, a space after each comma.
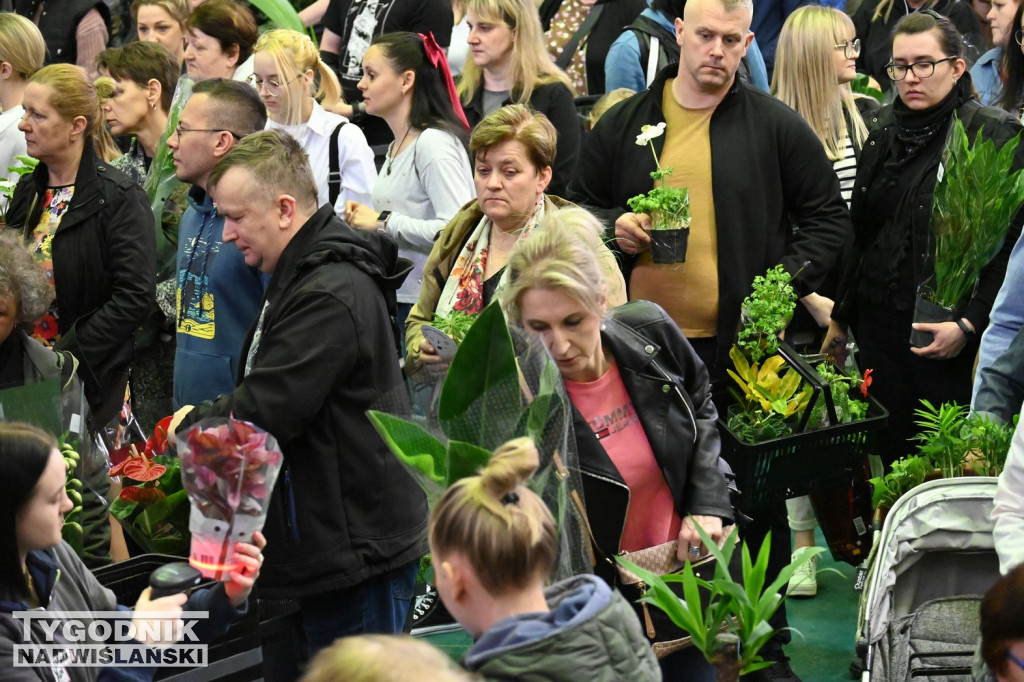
{"points": [[229, 222]]}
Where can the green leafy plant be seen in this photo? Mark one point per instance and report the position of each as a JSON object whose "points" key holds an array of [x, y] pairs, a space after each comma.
{"points": [[281, 14], [766, 312], [906, 474], [840, 385], [742, 608], [862, 85], [669, 207], [942, 438], [456, 324], [989, 441], [976, 196], [72, 531], [25, 165]]}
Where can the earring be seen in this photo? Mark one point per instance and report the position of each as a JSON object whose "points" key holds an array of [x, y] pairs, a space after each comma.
{"points": [[152, 104]]}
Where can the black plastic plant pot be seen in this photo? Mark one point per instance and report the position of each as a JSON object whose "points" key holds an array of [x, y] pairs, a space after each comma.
{"points": [[669, 246], [926, 311]]}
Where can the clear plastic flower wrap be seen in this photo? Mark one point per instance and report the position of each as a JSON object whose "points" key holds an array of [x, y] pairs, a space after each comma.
{"points": [[501, 384], [229, 468]]}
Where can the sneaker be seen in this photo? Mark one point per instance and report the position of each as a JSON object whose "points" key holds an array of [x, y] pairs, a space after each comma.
{"points": [[804, 582]]}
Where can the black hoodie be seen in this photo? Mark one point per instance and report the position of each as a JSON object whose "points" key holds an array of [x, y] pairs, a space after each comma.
{"points": [[343, 509]]}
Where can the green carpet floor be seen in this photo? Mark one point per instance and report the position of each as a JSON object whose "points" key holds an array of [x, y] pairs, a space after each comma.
{"points": [[827, 623]]}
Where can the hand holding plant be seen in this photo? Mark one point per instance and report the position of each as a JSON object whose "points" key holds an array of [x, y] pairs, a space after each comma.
{"points": [[669, 207]]}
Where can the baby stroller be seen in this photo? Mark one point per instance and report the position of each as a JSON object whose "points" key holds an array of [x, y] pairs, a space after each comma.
{"points": [[932, 562]]}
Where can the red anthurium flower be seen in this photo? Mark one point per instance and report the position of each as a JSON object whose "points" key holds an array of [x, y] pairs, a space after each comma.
{"points": [[141, 469], [157, 443], [144, 496], [865, 382]]}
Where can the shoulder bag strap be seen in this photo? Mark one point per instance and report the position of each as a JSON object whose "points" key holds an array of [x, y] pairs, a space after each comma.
{"points": [[334, 167], [582, 32]]}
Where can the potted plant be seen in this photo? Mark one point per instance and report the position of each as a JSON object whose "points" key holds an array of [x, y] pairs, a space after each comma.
{"points": [[976, 195], [739, 608], [669, 207], [152, 504], [766, 312]]}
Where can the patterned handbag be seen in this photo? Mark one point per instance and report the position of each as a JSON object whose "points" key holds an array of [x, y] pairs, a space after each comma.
{"points": [[666, 637]]}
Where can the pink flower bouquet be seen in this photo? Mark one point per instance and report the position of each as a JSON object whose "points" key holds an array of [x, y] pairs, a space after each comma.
{"points": [[229, 468]]}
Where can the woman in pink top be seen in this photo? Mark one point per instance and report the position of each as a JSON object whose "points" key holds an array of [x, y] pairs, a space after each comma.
{"points": [[644, 421]]}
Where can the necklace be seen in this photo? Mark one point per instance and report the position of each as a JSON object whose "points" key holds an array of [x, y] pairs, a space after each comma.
{"points": [[395, 150]]}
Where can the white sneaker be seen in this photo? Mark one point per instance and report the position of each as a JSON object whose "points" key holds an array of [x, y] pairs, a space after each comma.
{"points": [[804, 582]]}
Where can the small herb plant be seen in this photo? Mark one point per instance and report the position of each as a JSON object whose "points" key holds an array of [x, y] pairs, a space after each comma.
{"points": [[455, 324], [906, 474], [766, 312], [840, 384], [669, 207], [942, 436]]}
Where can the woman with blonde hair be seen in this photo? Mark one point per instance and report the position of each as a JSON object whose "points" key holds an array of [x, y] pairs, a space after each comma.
{"points": [[509, 63], [287, 68], [660, 443], [162, 21], [814, 66], [22, 53], [493, 543], [102, 260]]}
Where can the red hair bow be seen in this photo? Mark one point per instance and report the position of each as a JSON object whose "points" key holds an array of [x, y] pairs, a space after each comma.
{"points": [[437, 57]]}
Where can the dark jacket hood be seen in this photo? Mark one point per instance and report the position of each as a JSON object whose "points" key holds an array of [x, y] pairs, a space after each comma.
{"points": [[43, 567], [325, 238]]}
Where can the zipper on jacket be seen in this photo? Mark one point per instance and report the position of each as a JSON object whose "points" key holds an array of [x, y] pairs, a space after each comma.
{"points": [[289, 505]]}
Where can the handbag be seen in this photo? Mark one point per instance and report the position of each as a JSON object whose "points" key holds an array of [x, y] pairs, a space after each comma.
{"points": [[666, 637]]}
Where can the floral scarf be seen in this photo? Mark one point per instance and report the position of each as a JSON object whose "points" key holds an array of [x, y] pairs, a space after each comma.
{"points": [[464, 288]]}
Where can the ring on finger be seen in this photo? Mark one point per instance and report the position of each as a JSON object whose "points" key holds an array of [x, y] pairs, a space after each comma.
{"points": [[694, 550]]}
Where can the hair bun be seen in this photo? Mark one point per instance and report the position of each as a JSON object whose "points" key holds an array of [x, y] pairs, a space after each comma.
{"points": [[512, 463]]}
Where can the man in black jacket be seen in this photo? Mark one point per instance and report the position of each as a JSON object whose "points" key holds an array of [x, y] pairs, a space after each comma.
{"points": [[762, 192], [346, 524]]}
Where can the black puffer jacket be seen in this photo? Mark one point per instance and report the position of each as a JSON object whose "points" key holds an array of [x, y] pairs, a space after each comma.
{"points": [[344, 509], [104, 268], [671, 394]]}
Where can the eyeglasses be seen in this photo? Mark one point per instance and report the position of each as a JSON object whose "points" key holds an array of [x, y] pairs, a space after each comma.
{"points": [[1020, 663], [850, 48], [898, 72], [180, 131], [1018, 35], [272, 86]]}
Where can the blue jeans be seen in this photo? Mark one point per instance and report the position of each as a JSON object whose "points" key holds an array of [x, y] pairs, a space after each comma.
{"points": [[377, 605]]}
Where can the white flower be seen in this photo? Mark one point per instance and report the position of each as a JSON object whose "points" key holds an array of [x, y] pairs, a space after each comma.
{"points": [[648, 133]]}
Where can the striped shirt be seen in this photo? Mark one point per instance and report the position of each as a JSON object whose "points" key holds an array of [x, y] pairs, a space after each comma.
{"points": [[846, 170]]}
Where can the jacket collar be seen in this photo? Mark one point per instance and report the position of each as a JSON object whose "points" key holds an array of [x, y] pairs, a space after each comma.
{"points": [[42, 566], [200, 201]]}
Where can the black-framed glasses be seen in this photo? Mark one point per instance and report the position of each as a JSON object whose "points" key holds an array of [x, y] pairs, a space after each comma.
{"points": [[1020, 663], [180, 131], [272, 86], [850, 48], [924, 69]]}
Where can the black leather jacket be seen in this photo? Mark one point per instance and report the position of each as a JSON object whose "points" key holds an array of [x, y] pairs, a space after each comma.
{"points": [[671, 394]]}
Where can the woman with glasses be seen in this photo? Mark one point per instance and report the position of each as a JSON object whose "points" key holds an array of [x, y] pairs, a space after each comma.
{"points": [[875, 21], [893, 244], [92, 230], [287, 67], [815, 61], [989, 72]]}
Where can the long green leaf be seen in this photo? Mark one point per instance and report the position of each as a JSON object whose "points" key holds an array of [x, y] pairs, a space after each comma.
{"points": [[414, 446], [281, 14]]}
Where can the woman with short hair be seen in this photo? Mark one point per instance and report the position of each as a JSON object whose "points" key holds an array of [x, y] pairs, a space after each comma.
{"points": [[219, 37], [513, 150]]}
